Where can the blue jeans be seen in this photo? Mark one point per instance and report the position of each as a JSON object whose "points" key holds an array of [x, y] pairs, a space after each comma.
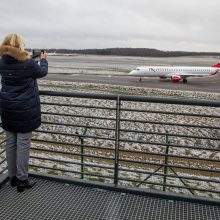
{"points": [[17, 153]]}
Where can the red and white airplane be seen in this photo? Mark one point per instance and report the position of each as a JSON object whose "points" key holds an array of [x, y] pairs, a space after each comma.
{"points": [[175, 73]]}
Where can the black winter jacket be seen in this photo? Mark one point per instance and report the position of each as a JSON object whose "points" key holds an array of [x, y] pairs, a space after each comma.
{"points": [[19, 97]]}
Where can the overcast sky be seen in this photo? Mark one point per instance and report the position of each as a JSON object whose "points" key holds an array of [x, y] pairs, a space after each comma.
{"points": [[190, 25]]}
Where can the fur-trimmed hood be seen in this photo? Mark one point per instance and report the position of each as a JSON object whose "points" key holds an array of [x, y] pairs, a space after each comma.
{"points": [[14, 52]]}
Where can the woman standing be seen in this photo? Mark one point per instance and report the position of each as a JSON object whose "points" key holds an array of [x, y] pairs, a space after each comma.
{"points": [[20, 105]]}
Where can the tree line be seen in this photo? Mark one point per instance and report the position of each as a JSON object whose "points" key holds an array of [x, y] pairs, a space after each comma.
{"points": [[142, 52]]}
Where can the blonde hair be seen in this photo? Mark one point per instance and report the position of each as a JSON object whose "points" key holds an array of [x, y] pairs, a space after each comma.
{"points": [[14, 40]]}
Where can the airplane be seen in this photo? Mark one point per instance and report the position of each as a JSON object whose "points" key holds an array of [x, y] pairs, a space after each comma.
{"points": [[175, 73]]}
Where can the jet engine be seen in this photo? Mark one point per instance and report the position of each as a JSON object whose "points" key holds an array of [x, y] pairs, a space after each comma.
{"points": [[175, 78]]}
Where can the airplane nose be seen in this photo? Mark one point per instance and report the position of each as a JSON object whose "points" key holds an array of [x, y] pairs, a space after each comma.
{"points": [[132, 72]]}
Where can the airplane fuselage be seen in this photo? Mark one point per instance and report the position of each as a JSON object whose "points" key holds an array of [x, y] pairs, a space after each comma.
{"points": [[175, 73], [160, 71]]}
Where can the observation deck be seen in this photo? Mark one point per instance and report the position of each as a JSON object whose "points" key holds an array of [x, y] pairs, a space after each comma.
{"points": [[119, 157], [63, 198]]}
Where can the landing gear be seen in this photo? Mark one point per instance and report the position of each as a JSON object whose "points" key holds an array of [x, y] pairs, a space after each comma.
{"points": [[140, 80], [184, 80]]}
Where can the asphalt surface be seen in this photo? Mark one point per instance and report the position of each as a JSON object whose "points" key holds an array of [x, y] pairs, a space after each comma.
{"points": [[114, 70], [205, 84]]}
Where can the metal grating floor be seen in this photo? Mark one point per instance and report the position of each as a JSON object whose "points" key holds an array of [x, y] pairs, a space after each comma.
{"points": [[56, 200]]}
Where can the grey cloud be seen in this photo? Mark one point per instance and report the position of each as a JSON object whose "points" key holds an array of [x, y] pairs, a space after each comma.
{"points": [[168, 25]]}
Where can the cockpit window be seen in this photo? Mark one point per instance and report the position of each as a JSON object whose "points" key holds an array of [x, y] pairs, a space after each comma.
{"points": [[138, 69]]}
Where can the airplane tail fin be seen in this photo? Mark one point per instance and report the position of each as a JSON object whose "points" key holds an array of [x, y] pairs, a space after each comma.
{"points": [[217, 65]]}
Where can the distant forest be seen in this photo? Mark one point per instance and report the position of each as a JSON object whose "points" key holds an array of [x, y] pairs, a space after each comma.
{"points": [[142, 52]]}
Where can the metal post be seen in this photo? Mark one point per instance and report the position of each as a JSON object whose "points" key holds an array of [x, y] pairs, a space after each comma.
{"points": [[81, 138], [166, 161], [117, 127]]}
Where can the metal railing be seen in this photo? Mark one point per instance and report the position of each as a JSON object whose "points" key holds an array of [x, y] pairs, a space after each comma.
{"points": [[158, 143]]}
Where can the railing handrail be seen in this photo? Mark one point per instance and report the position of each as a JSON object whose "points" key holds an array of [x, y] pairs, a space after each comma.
{"points": [[162, 100]]}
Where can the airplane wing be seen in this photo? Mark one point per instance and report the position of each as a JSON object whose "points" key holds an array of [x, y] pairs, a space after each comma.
{"points": [[176, 77], [185, 74]]}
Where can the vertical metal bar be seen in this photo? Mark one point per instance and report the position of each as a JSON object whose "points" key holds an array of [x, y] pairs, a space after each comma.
{"points": [[166, 161], [117, 135], [82, 152], [82, 158], [81, 138]]}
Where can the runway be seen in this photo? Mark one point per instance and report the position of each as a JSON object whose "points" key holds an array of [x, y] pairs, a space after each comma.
{"points": [[114, 70], [204, 84]]}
